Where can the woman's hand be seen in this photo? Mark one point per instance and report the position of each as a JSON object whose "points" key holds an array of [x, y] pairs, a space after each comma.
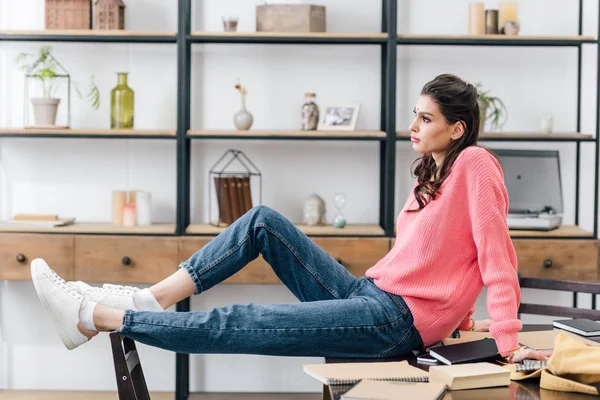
{"points": [[522, 354], [482, 325]]}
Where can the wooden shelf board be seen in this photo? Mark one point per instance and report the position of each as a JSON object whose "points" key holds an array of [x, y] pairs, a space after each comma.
{"points": [[86, 32], [562, 231], [94, 227], [524, 135], [87, 132], [497, 37], [327, 230], [321, 35], [285, 133]]}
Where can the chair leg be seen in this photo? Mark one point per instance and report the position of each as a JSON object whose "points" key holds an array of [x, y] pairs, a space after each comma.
{"points": [[131, 384], [326, 393]]}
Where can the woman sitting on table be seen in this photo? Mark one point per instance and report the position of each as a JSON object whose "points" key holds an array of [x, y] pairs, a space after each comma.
{"points": [[452, 239]]}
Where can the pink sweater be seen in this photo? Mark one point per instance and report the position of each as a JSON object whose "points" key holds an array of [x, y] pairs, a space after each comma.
{"points": [[445, 253]]}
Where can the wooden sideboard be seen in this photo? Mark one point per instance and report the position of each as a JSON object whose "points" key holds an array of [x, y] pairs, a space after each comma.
{"points": [[148, 259]]}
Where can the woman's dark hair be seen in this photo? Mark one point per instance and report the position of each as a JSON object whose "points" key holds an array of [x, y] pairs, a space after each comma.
{"points": [[457, 101]]}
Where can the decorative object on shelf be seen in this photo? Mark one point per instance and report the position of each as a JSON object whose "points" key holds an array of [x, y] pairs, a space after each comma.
{"points": [[547, 123], [492, 109], [310, 113], [508, 11], [339, 118], [230, 24], [68, 14], [476, 18], [314, 211], [122, 104], [512, 28], [491, 22], [143, 208], [290, 18], [242, 119], [110, 14], [129, 215], [48, 76], [38, 221], [339, 200], [233, 188], [119, 199]]}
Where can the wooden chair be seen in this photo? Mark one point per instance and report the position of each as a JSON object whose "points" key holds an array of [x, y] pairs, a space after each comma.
{"points": [[131, 383], [560, 311]]}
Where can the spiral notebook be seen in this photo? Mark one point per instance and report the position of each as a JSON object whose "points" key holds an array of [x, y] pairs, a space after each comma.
{"points": [[347, 373]]}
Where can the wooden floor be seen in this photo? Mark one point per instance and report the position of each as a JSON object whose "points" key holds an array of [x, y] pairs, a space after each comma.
{"points": [[75, 395]]}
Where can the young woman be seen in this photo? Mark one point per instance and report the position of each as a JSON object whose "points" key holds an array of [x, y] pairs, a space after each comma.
{"points": [[452, 238]]}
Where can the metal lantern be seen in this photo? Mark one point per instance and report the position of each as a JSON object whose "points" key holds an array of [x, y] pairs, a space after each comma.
{"points": [[232, 188], [51, 75]]}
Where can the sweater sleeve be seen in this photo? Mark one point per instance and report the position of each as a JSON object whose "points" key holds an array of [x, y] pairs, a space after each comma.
{"points": [[496, 256]]}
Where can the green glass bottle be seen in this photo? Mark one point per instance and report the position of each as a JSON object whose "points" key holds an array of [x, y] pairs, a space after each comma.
{"points": [[121, 104]]}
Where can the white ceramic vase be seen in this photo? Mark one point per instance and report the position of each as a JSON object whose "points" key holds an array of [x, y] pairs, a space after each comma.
{"points": [[243, 119], [45, 110]]}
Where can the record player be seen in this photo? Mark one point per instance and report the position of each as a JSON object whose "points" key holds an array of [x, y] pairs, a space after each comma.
{"points": [[532, 179]]}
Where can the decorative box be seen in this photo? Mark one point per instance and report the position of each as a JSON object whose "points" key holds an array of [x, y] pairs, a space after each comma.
{"points": [[290, 18], [68, 14]]}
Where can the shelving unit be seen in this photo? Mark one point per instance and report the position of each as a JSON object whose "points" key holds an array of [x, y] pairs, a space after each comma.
{"points": [[96, 228], [386, 134]]}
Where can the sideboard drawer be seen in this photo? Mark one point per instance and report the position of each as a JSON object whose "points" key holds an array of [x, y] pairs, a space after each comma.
{"points": [[125, 259], [257, 272], [575, 260], [356, 254], [18, 250]]}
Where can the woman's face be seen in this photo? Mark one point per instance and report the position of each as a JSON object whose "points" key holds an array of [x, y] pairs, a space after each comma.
{"points": [[429, 131]]}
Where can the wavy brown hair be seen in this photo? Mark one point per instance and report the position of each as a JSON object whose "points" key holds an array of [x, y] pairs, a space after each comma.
{"points": [[457, 101]]}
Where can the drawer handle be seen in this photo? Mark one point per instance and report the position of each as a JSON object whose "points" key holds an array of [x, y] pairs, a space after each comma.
{"points": [[547, 263], [21, 258], [126, 260]]}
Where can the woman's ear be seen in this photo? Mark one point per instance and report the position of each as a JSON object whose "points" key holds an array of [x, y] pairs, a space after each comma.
{"points": [[458, 130]]}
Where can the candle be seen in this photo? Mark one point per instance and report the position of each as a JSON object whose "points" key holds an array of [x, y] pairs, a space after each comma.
{"points": [[143, 208], [476, 18], [507, 12], [118, 202], [129, 215]]}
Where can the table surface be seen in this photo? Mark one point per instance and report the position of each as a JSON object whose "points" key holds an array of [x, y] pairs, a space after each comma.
{"points": [[518, 390]]}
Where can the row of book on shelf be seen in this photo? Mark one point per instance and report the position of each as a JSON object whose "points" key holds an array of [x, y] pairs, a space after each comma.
{"points": [[234, 197]]}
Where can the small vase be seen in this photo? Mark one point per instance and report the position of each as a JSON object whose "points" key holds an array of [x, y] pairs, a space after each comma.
{"points": [[310, 113], [121, 104], [243, 119]]}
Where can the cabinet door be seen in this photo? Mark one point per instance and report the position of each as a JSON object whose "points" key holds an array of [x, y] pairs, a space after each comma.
{"points": [[575, 260], [18, 250], [125, 259]]}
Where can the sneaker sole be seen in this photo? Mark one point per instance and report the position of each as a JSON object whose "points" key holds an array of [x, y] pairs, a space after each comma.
{"points": [[36, 271]]}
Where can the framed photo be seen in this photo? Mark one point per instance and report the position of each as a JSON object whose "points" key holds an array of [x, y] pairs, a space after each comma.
{"points": [[339, 118]]}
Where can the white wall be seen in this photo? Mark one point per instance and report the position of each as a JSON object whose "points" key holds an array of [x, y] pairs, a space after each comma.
{"points": [[75, 177]]}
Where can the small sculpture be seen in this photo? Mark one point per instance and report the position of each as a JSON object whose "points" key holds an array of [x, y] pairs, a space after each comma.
{"points": [[310, 113], [314, 211]]}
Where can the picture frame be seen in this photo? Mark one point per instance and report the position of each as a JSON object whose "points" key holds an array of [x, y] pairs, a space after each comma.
{"points": [[339, 117]]}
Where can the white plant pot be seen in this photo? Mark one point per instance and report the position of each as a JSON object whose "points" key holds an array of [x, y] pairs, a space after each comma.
{"points": [[44, 111]]}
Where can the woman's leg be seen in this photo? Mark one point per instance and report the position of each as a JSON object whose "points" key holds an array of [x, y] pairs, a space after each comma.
{"points": [[306, 269], [369, 323]]}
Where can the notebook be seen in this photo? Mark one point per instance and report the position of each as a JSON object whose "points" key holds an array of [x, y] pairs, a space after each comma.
{"points": [[470, 376], [345, 373], [469, 352], [374, 390], [580, 326]]}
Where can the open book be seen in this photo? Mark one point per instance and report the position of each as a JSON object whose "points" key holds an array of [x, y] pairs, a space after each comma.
{"points": [[345, 373]]}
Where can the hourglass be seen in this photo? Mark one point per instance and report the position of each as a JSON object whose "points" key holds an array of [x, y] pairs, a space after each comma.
{"points": [[339, 200]]}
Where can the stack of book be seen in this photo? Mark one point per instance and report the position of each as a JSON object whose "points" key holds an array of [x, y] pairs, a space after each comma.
{"points": [[234, 197]]}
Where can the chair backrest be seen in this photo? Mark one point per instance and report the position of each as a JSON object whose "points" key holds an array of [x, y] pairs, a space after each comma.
{"points": [[131, 383], [559, 311]]}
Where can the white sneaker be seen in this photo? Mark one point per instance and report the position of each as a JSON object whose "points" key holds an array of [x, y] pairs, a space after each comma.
{"points": [[60, 300], [113, 296]]}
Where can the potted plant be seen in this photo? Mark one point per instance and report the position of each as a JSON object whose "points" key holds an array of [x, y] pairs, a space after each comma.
{"points": [[492, 109], [45, 69]]}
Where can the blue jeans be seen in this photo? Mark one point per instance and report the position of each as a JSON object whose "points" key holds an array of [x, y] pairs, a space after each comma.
{"points": [[338, 315]]}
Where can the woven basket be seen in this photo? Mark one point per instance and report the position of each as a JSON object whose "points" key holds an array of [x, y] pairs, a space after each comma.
{"points": [[68, 14]]}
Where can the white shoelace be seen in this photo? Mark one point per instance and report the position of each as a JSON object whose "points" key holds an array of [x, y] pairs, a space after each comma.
{"points": [[120, 289], [60, 282]]}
